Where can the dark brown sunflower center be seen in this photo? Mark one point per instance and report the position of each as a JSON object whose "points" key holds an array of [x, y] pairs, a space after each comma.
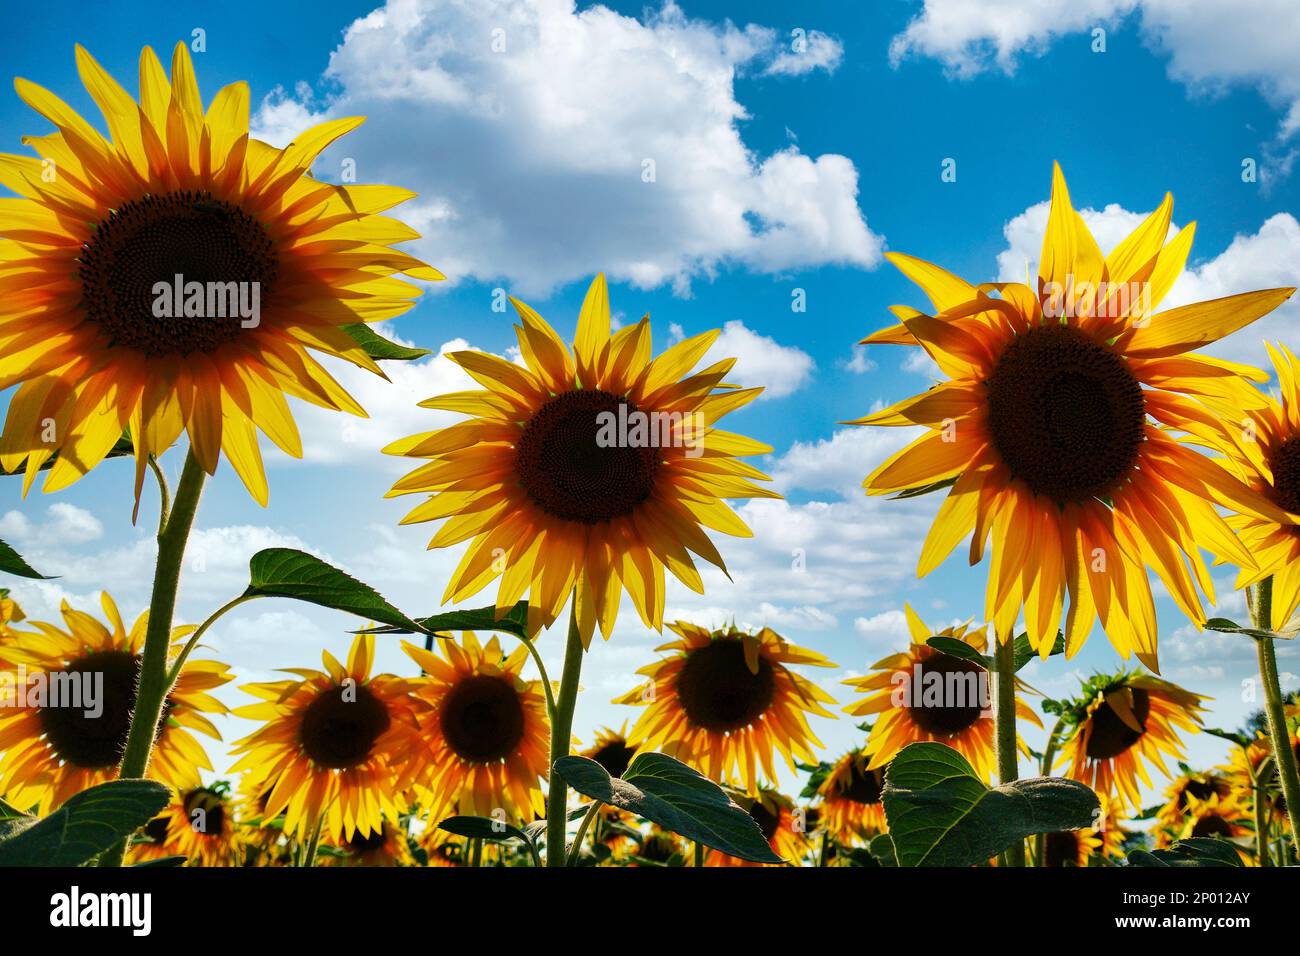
{"points": [[483, 719], [574, 466], [717, 689], [863, 786], [1065, 413], [205, 810], [153, 240], [1200, 789], [368, 843], [767, 820], [1211, 826], [340, 727], [87, 714], [1061, 849], [156, 829], [657, 848], [1110, 735], [614, 757], [1285, 465], [950, 697]]}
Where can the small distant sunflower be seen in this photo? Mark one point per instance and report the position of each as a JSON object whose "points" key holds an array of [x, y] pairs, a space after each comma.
{"points": [[1122, 721], [1218, 817], [611, 750], [199, 825], [554, 498], [1093, 846], [486, 735], [52, 752], [1189, 784], [336, 746], [953, 709], [659, 847], [1052, 425], [385, 847], [727, 701], [848, 799], [776, 818], [1240, 776], [177, 190]]}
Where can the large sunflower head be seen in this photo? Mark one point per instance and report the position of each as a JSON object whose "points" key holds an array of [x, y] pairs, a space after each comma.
{"points": [[781, 824], [337, 747], [199, 824], [728, 701], [924, 695], [1052, 427], [70, 692], [848, 793], [486, 736], [172, 275], [1121, 723], [584, 472]]}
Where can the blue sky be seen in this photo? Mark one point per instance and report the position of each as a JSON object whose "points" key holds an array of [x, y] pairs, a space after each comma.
{"points": [[775, 171]]}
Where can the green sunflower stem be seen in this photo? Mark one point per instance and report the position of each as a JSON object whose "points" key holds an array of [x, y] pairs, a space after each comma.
{"points": [[557, 798], [1283, 754], [1259, 802], [1004, 721], [1045, 769], [153, 686]]}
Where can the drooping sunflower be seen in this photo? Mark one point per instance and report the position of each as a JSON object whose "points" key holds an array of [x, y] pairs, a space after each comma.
{"points": [[337, 747], [727, 702], [486, 736], [924, 695], [1200, 785], [1092, 846], [54, 749], [584, 473], [848, 798], [1120, 722], [776, 817], [199, 824], [178, 195], [1053, 428]]}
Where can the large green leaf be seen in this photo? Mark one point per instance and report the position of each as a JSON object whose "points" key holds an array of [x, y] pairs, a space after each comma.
{"points": [[12, 562], [283, 572], [87, 824], [671, 794], [380, 348], [941, 813], [514, 621], [1195, 851]]}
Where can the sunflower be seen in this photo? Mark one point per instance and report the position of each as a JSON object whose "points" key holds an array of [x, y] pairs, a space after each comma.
{"points": [[1244, 766], [924, 695], [384, 847], [726, 701], [179, 197], [199, 825], [848, 799], [1052, 427], [1187, 785], [337, 747], [486, 736], [1093, 846], [54, 750], [1123, 720], [1216, 817], [659, 847], [584, 473], [611, 750], [782, 829], [1264, 449]]}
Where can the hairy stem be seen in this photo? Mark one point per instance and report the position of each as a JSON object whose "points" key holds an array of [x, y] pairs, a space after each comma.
{"points": [[561, 732]]}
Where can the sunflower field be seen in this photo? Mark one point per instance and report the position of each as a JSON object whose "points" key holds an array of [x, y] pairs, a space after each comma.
{"points": [[172, 285]]}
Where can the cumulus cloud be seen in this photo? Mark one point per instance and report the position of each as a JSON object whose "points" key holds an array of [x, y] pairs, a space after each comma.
{"points": [[548, 143], [1266, 259], [807, 52], [760, 359]]}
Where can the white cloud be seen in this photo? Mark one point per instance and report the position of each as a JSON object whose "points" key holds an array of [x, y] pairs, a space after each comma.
{"points": [[838, 463], [808, 51], [761, 360], [66, 524], [859, 363], [886, 629], [526, 128], [1266, 259], [1211, 45]]}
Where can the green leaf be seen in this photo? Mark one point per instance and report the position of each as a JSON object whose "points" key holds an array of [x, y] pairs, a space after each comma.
{"points": [[1225, 626], [484, 828], [1195, 851], [941, 813], [514, 621], [956, 648], [882, 850], [1024, 652], [87, 824], [283, 572], [1241, 740], [380, 348], [671, 794], [12, 562], [9, 812], [920, 490]]}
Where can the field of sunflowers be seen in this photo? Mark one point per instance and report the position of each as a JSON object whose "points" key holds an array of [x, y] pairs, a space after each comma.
{"points": [[1084, 453]]}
